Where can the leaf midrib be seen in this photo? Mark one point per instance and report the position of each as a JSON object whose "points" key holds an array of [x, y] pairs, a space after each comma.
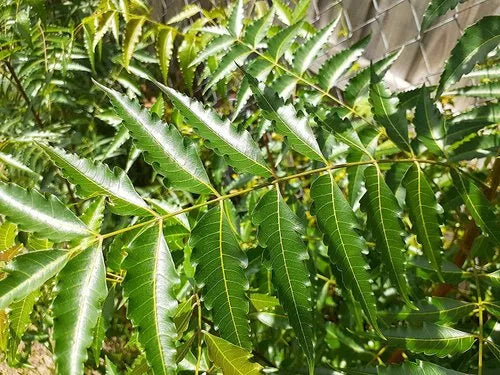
{"points": [[160, 146], [83, 308], [358, 286], [227, 359], [226, 290], [44, 218], [220, 135], [279, 117], [278, 212], [420, 208], [386, 113], [472, 203], [407, 314], [428, 123], [113, 194], [386, 239], [452, 73], [36, 275], [159, 244]]}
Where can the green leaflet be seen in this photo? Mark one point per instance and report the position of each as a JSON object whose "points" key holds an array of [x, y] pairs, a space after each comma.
{"points": [[28, 272], [164, 48], [383, 218], [300, 9], [235, 57], [279, 231], [163, 146], [105, 21], [280, 43], [478, 205], [150, 285], [121, 136], [429, 123], [418, 368], [339, 226], [241, 150], [475, 44], [20, 312], [183, 315], [11, 161], [433, 309], [356, 174], [257, 30], [166, 208], [188, 11], [231, 359], [408, 99], [471, 121], [103, 323], [333, 68], [297, 130], [220, 43], [343, 131], [259, 69], [185, 55], [359, 84], [435, 9], [132, 34], [488, 73], [35, 213], [235, 22], [220, 268], [306, 53], [88, 41], [36, 243], [8, 234], [422, 206], [450, 272], [479, 146], [334, 334], [93, 178], [283, 12], [140, 365], [111, 368], [284, 85], [92, 217], [386, 112], [264, 302], [430, 339], [117, 249], [488, 90], [81, 291]]}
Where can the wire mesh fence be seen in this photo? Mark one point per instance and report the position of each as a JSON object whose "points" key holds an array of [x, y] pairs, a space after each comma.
{"points": [[393, 25]]}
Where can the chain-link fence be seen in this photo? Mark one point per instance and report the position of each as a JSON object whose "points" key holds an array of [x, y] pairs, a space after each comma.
{"points": [[393, 25]]}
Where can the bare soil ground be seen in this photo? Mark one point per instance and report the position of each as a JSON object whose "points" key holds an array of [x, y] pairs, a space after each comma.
{"points": [[40, 362]]}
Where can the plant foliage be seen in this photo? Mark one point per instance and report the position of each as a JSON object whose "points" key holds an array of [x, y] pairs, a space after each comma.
{"points": [[150, 224]]}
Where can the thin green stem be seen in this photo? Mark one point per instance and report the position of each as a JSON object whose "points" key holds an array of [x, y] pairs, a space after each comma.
{"points": [[264, 185], [325, 279], [200, 334], [481, 344], [305, 81], [298, 77], [480, 337]]}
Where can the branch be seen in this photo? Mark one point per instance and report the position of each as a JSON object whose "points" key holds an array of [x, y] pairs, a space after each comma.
{"points": [[23, 93], [264, 185]]}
